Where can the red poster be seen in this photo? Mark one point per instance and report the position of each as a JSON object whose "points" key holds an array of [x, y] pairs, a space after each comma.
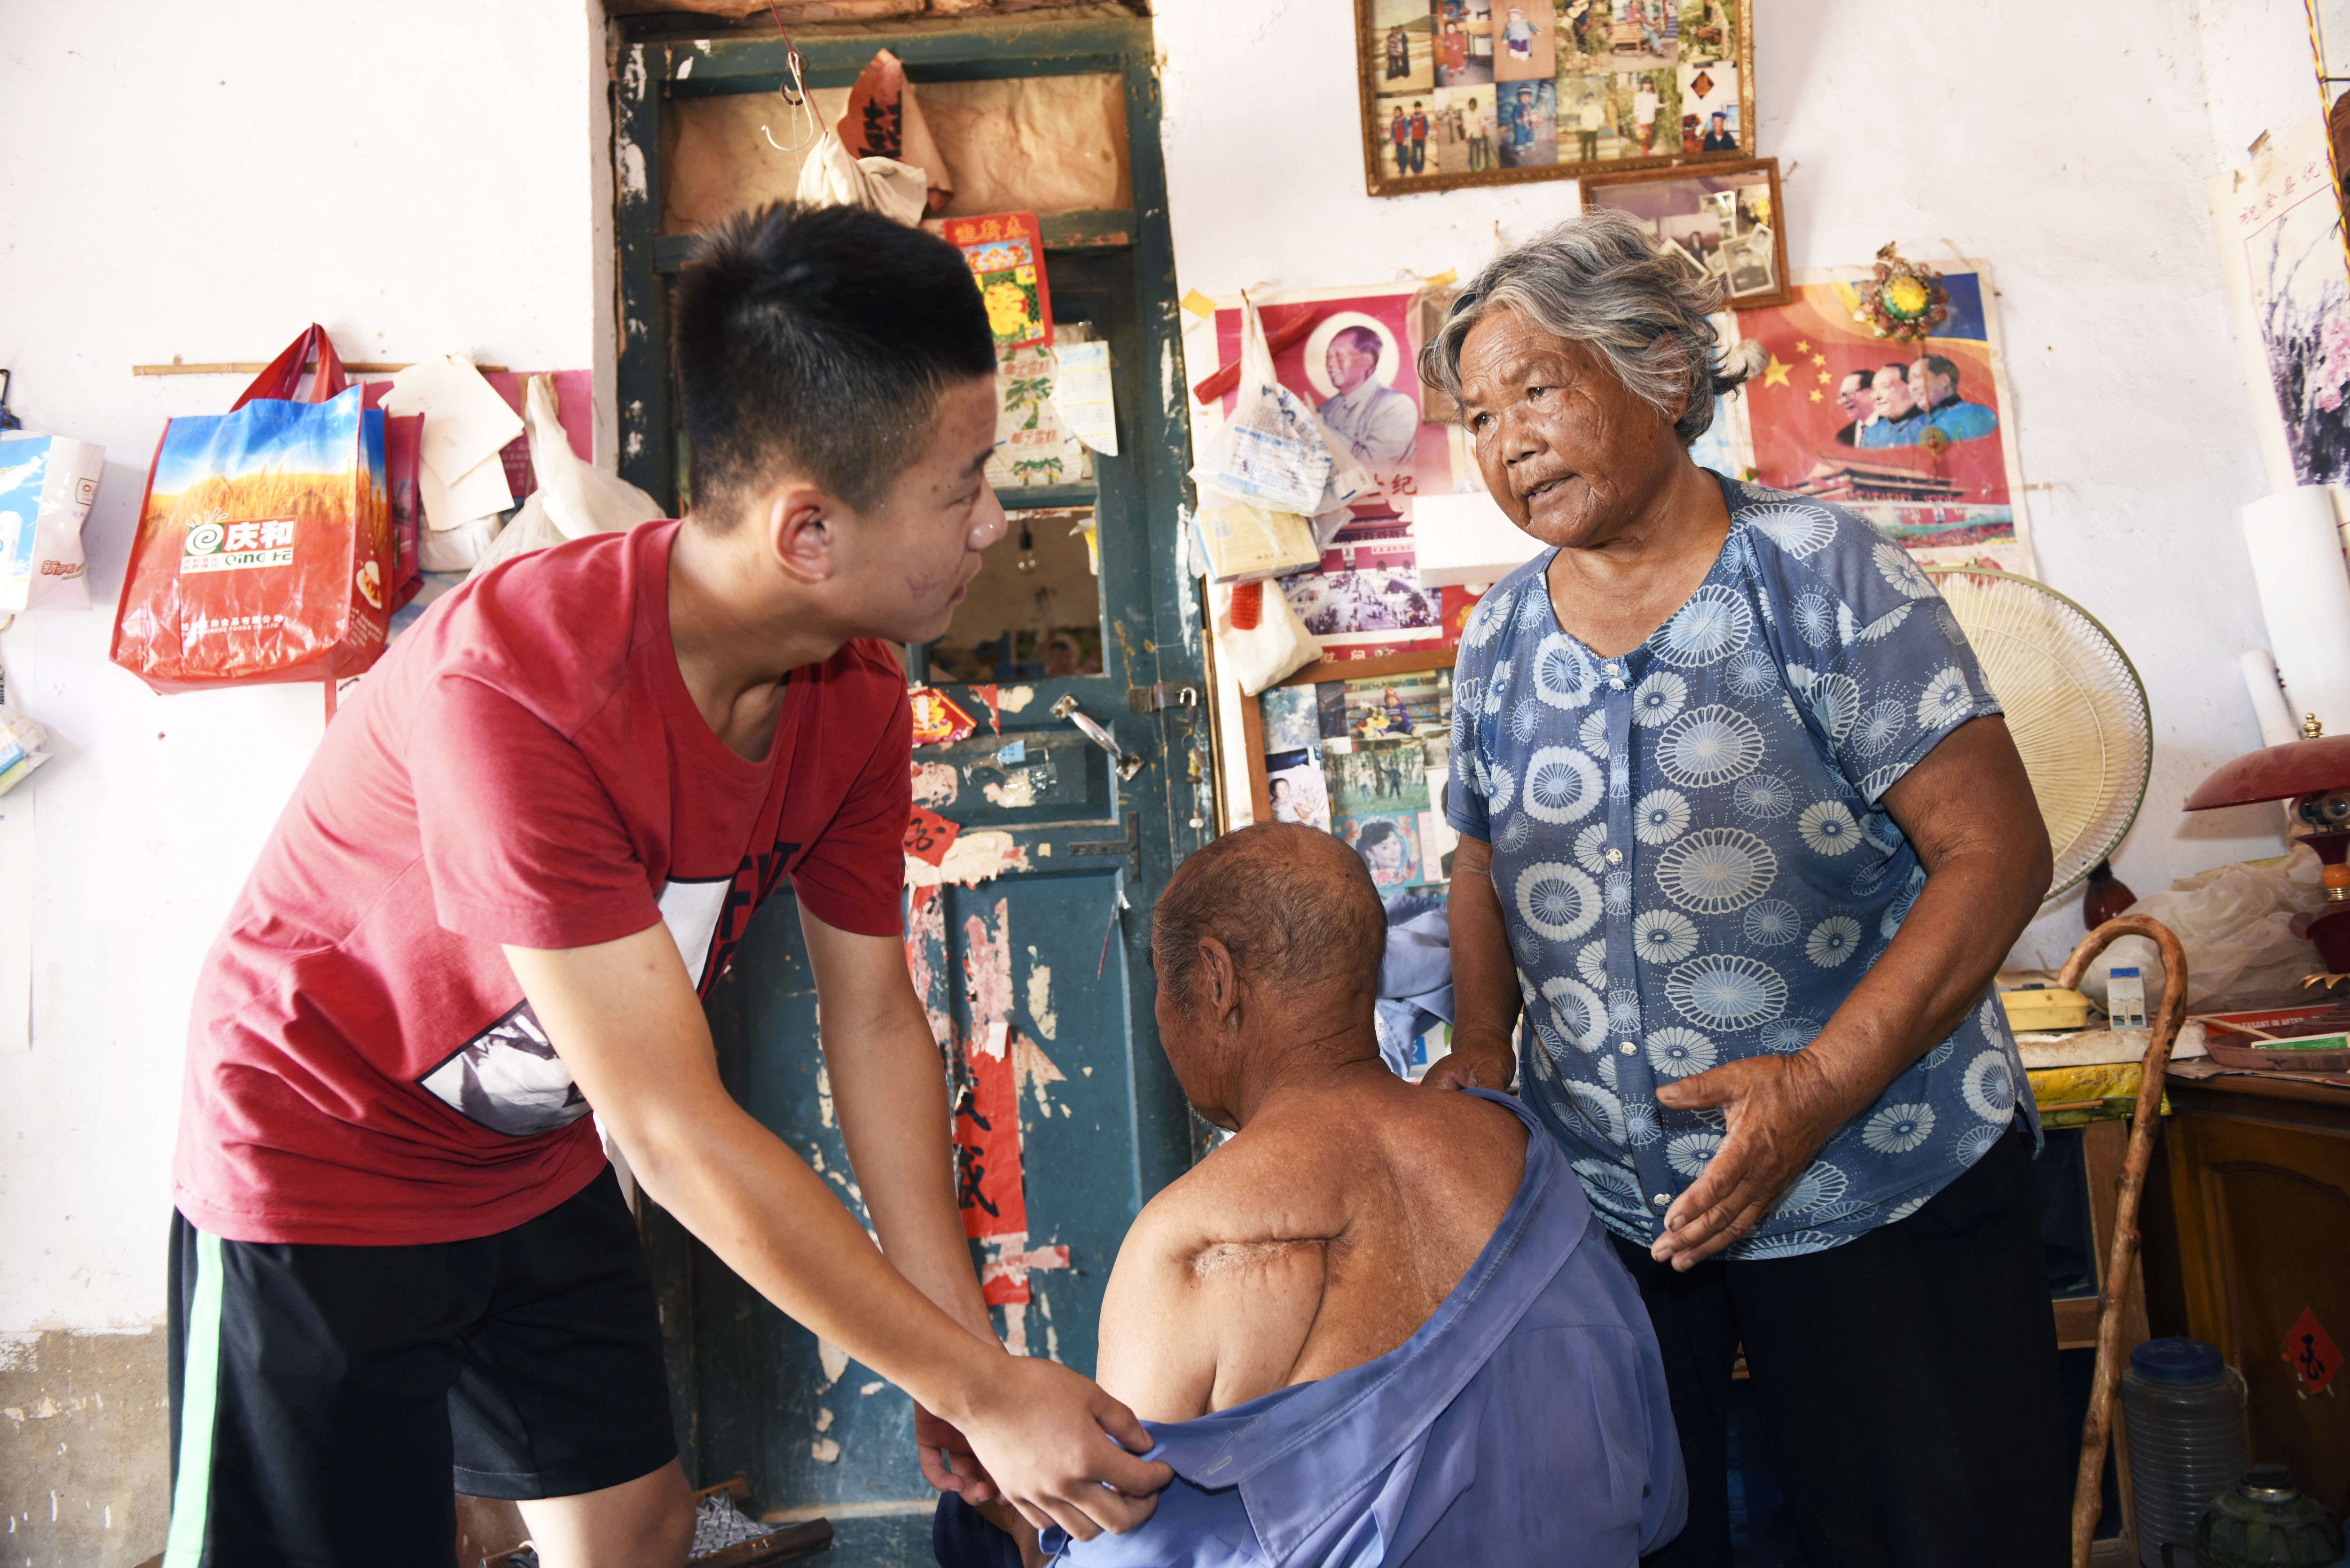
{"points": [[988, 1188], [1006, 253], [929, 836], [2312, 1351]]}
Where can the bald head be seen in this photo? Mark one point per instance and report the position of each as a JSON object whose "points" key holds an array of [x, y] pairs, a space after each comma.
{"points": [[1293, 905]]}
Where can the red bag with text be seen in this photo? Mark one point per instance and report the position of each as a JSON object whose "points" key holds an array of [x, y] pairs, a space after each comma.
{"points": [[264, 549]]}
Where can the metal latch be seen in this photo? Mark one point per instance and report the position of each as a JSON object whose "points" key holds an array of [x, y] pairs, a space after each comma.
{"points": [[1151, 699], [1126, 764], [1130, 845]]}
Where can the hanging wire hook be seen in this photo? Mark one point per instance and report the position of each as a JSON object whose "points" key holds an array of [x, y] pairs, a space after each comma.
{"points": [[795, 97]]}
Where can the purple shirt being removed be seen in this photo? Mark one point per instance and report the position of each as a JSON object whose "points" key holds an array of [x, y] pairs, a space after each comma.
{"points": [[1525, 1422]]}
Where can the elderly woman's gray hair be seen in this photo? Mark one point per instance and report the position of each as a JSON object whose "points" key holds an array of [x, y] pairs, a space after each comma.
{"points": [[1597, 280]]}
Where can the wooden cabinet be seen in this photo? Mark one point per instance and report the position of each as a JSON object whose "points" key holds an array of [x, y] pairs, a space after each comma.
{"points": [[2260, 1186]]}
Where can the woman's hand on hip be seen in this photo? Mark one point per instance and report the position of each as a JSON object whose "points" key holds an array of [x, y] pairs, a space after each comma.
{"points": [[1780, 1110]]}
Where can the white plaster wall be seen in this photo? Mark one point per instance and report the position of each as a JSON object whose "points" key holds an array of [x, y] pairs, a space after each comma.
{"points": [[440, 180], [2066, 144], [204, 180]]}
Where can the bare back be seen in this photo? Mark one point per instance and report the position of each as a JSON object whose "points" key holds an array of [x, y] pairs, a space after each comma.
{"points": [[1319, 1238]]}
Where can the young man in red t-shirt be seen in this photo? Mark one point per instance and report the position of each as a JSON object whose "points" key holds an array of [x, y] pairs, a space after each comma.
{"points": [[398, 1257]]}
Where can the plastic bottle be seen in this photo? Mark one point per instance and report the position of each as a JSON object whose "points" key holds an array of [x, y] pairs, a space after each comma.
{"points": [[2183, 1410], [2126, 999]]}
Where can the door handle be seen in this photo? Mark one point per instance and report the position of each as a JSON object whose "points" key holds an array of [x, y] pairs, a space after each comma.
{"points": [[1126, 763]]}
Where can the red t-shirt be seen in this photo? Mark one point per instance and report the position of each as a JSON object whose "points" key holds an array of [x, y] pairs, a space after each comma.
{"points": [[524, 766]]}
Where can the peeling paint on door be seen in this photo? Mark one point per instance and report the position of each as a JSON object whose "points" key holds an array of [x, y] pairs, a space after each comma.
{"points": [[1039, 998]]}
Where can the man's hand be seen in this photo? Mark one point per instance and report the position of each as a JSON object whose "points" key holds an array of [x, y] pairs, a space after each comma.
{"points": [[628, 1025], [1472, 1067], [1062, 1451], [1780, 1110], [948, 1463]]}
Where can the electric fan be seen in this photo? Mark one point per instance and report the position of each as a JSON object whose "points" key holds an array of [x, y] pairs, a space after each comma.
{"points": [[2074, 703]]}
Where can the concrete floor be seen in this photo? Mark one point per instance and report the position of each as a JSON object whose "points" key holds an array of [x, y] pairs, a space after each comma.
{"points": [[85, 1450], [895, 1541]]}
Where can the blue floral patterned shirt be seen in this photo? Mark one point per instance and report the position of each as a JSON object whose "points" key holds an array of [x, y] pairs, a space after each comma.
{"points": [[1695, 866]]}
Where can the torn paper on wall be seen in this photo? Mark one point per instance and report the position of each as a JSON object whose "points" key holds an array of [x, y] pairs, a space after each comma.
{"points": [[1081, 391]]}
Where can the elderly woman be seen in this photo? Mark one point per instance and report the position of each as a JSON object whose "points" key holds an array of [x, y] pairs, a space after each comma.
{"points": [[1745, 837]]}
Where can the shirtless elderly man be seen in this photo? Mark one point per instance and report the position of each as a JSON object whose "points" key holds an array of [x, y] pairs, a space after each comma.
{"points": [[1379, 1326]]}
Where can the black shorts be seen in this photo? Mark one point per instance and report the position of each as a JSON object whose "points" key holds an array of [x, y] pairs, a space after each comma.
{"points": [[328, 1402]]}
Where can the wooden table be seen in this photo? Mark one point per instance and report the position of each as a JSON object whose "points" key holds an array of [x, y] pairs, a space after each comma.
{"points": [[2260, 1187]]}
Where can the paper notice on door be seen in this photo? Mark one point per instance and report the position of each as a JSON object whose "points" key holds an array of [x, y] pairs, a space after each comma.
{"points": [[1081, 391]]}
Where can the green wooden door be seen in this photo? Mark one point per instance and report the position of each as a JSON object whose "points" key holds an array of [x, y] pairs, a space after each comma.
{"points": [[1034, 973]]}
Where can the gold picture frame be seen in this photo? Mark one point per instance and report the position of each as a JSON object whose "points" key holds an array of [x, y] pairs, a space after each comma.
{"points": [[1429, 71]]}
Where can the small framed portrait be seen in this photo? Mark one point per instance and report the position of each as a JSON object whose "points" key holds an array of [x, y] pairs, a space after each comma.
{"points": [[1487, 92], [1722, 220]]}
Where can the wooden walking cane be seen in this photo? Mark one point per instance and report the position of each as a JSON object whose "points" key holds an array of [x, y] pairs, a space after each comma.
{"points": [[2114, 1284]]}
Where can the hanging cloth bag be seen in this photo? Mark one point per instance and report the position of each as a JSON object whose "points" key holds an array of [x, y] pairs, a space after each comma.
{"points": [[263, 551]]}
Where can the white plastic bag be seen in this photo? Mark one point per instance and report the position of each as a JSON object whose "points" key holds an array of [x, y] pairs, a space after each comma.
{"points": [[1271, 451], [457, 549], [24, 746], [1349, 480], [574, 499], [2235, 923], [1278, 646], [46, 485], [829, 177]]}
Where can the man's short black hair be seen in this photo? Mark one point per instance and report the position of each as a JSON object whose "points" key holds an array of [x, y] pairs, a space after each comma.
{"points": [[1364, 340], [815, 341], [1943, 366]]}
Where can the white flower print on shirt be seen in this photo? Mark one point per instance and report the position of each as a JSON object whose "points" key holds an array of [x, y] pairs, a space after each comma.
{"points": [[1563, 674], [1708, 746], [1562, 784], [1714, 624], [1657, 698], [1897, 1129], [1716, 870], [1689, 1152], [1751, 673], [1677, 1052], [1664, 936], [1944, 698], [1828, 829], [1815, 617], [1772, 922], [1763, 796], [1881, 727], [1660, 817], [1988, 1087], [1575, 1013], [1560, 901], [1898, 568], [1727, 990], [1835, 701], [1800, 531], [1593, 732], [1833, 940]]}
